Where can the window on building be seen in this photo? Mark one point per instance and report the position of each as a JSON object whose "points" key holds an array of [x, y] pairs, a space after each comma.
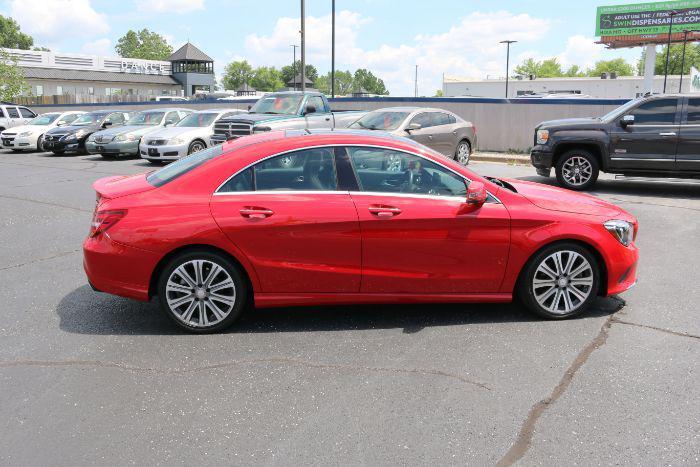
{"points": [[150, 92], [39, 90], [59, 90], [91, 90]]}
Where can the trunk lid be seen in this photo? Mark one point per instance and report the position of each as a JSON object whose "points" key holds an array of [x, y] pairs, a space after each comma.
{"points": [[122, 185]]}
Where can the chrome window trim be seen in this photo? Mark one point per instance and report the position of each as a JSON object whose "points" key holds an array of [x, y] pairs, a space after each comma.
{"points": [[344, 192], [216, 191]]}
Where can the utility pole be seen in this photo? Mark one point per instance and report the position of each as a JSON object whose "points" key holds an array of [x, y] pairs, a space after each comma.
{"points": [[303, 48], [415, 86], [294, 66], [671, 14], [685, 39], [333, 49], [507, 43]]}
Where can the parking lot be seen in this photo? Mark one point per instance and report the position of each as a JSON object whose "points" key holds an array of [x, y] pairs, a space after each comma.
{"points": [[92, 378]]}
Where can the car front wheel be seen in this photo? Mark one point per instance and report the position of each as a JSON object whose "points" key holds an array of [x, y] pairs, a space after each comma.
{"points": [[202, 292], [196, 146], [560, 282], [577, 169]]}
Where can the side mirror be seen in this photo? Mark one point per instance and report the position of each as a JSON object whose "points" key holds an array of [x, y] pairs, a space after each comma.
{"points": [[627, 120], [413, 126], [62, 123], [106, 124], [310, 109], [250, 106], [476, 193]]}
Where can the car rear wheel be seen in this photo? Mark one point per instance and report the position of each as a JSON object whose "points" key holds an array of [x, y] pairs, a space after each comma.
{"points": [[196, 146], [202, 292], [560, 282], [577, 169], [463, 152], [40, 143]]}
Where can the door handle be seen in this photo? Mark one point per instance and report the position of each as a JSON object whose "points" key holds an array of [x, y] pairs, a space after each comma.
{"points": [[384, 211], [667, 134], [250, 212]]}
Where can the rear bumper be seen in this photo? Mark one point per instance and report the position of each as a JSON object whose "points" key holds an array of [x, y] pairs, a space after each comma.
{"points": [[541, 157], [118, 269]]}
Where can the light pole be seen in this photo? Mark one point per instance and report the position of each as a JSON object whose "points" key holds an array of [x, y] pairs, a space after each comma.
{"points": [[415, 84], [507, 43], [671, 14], [303, 49], [685, 39], [294, 65], [333, 49]]}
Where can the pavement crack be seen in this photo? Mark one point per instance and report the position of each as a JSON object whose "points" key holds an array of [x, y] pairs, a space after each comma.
{"points": [[527, 430], [29, 200], [40, 260], [647, 203], [646, 326], [235, 363]]}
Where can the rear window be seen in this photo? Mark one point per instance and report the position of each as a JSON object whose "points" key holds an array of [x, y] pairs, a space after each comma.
{"points": [[182, 166]]}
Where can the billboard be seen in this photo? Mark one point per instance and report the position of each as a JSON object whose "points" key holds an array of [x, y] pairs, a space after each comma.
{"points": [[647, 18]]}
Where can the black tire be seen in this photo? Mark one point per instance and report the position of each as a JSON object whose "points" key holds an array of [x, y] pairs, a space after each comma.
{"points": [[577, 169], [459, 156], [109, 157], [40, 143], [153, 162], [528, 292], [239, 289], [196, 146], [59, 153]]}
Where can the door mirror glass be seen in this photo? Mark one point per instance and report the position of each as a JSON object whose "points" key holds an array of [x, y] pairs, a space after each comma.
{"points": [[627, 120], [310, 109], [476, 193], [413, 126]]}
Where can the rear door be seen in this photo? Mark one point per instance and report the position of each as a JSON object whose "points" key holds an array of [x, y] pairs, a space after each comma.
{"points": [[688, 154], [297, 229], [650, 143], [444, 133], [15, 119]]}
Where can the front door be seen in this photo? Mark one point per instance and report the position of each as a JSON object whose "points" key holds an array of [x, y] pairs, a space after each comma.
{"points": [[298, 231], [688, 155], [424, 135], [417, 236], [649, 144]]}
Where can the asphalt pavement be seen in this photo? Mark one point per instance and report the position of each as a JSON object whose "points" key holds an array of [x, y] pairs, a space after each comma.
{"points": [[88, 378]]}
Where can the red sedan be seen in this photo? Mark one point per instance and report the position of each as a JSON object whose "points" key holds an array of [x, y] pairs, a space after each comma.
{"points": [[284, 219]]}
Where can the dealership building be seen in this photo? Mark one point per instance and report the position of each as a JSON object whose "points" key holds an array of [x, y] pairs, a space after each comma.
{"points": [[92, 78]]}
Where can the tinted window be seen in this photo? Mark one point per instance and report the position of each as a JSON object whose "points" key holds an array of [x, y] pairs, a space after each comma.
{"points": [[386, 170], [380, 120], [115, 118], [656, 112], [173, 117], [26, 113], [241, 182], [425, 120], [12, 112], [182, 166], [693, 111], [439, 118], [68, 118], [317, 102], [310, 169]]}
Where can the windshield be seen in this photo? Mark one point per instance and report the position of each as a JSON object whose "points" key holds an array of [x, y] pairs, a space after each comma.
{"points": [[88, 119], [198, 119], [182, 166], [381, 121], [620, 110], [280, 104], [146, 118], [45, 119]]}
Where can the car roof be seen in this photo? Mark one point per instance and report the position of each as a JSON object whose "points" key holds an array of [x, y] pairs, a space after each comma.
{"points": [[409, 109]]}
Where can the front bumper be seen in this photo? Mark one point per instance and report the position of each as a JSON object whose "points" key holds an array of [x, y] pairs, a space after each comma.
{"points": [[542, 157], [114, 148], [163, 153], [62, 145], [19, 142], [622, 268]]}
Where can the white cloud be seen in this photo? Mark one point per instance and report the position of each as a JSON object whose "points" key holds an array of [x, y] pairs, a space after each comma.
{"points": [[99, 47], [169, 6], [470, 48], [53, 20], [581, 51]]}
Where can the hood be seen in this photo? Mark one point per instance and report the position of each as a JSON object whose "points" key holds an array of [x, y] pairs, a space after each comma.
{"points": [[259, 118], [122, 185], [174, 131], [136, 129], [559, 199], [578, 123], [32, 128], [73, 129]]}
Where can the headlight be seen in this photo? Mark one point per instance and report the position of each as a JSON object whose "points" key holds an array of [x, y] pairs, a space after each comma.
{"points": [[176, 141], [71, 137], [125, 137], [25, 133], [542, 136], [622, 230]]}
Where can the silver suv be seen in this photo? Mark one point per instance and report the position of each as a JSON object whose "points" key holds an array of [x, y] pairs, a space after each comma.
{"points": [[14, 115]]}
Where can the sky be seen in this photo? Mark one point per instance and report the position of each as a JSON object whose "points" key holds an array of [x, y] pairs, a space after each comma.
{"points": [[455, 38]]}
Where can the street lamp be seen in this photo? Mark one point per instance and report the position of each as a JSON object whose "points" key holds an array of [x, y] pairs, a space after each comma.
{"points": [[507, 61], [671, 14], [303, 46], [333, 49], [294, 65], [685, 39]]}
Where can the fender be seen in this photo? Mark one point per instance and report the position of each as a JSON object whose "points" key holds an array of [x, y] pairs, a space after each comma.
{"points": [[597, 138]]}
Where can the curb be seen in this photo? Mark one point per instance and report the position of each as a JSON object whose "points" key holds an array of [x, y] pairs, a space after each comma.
{"points": [[519, 159]]}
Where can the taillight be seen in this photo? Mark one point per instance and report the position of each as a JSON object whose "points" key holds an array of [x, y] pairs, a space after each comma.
{"points": [[103, 220]]}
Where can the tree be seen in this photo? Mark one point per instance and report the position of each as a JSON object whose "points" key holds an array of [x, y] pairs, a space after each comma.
{"points": [[549, 68], [143, 44], [343, 83], [438, 93], [12, 82], [692, 58], [365, 79], [574, 71], [236, 74], [11, 37], [617, 65], [41, 49], [267, 79], [289, 71]]}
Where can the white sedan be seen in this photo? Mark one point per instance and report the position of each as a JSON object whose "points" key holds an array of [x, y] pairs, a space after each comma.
{"points": [[30, 136], [191, 134]]}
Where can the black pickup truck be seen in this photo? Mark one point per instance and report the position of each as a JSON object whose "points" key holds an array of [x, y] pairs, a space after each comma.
{"points": [[654, 136]]}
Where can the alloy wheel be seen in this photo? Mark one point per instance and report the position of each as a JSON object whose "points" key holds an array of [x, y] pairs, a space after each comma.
{"points": [[196, 147], [563, 281], [200, 293], [577, 170], [463, 153]]}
